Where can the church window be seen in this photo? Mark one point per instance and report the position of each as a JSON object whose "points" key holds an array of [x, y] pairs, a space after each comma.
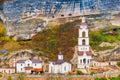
{"points": [[9, 71], [83, 42], [84, 61], [28, 64], [88, 60], [83, 34], [65, 68], [80, 60]]}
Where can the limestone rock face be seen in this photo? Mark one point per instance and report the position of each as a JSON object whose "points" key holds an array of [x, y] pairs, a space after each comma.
{"points": [[108, 55], [106, 44], [75, 56]]}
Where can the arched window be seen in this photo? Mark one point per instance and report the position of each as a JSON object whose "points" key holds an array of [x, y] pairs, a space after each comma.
{"points": [[83, 34], [80, 60], [64, 68], [88, 61], [83, 42], [84, 61]]}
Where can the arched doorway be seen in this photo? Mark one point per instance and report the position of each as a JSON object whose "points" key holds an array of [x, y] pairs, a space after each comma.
{"points": [[84, 61]]}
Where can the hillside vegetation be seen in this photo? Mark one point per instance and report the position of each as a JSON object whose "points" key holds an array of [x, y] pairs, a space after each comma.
{"points": [[3, 37], [61, 38]]}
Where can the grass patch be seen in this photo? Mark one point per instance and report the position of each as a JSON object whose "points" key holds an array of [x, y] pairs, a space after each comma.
{"points": [[1, 75]]}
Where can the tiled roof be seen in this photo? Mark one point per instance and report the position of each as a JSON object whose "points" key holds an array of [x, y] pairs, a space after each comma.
{"points": [[89, 53], [83, 24], [33, 61], [59, 62], [36, 61], [28, 68], [80, 53], [21, 61], [38, 69]]}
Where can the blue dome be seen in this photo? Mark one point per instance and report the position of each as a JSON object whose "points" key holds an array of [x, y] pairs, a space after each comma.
{"points": [[3, 51]]}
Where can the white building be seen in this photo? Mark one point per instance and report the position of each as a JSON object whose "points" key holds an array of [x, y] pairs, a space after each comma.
{"points": [[27, 66], [104, 64], [59, 66], [84, 52], [7, 70]]}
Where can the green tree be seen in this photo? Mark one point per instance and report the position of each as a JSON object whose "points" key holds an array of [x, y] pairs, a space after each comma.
{"points": [[79, 72], [118, 64], [0, 75], [21, 76], [2, 30], [100, 78], [115, 78], [52, 45], [92, 73]]}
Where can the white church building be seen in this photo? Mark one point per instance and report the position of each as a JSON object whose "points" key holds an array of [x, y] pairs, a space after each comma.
{"points": [[84, 52], [60, 66], [27, 66]]}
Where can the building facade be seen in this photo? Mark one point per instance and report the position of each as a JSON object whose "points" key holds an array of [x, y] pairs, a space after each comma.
{"points": [[103, 64], [84, 52], [7, 70], [60, 66], [29, 66]]}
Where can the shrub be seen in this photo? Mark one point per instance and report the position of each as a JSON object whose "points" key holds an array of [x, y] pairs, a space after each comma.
{"points": [[92, 73], [79, 72], [100, 78], [9, 78], [21, 76], [0, 75], [118, 64], [69, 73], [115, 78]]}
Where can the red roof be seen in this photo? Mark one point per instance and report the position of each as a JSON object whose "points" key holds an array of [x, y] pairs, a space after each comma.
{"points": [[38, 69], [84, 24], [28, 68], [89, 53], [80, 53]]}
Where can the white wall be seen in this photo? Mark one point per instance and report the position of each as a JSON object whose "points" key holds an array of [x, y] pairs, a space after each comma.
{"points": [[60, 68], [103, 64], [28, 63], [83, 48], [83, 30], [20, 67], [82, 65], [80, 41], [37, 65], [7, 70], [66, 67]]}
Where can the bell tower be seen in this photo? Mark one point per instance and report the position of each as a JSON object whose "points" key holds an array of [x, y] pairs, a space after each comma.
{"points": [[60, 56], [84, 53]]}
